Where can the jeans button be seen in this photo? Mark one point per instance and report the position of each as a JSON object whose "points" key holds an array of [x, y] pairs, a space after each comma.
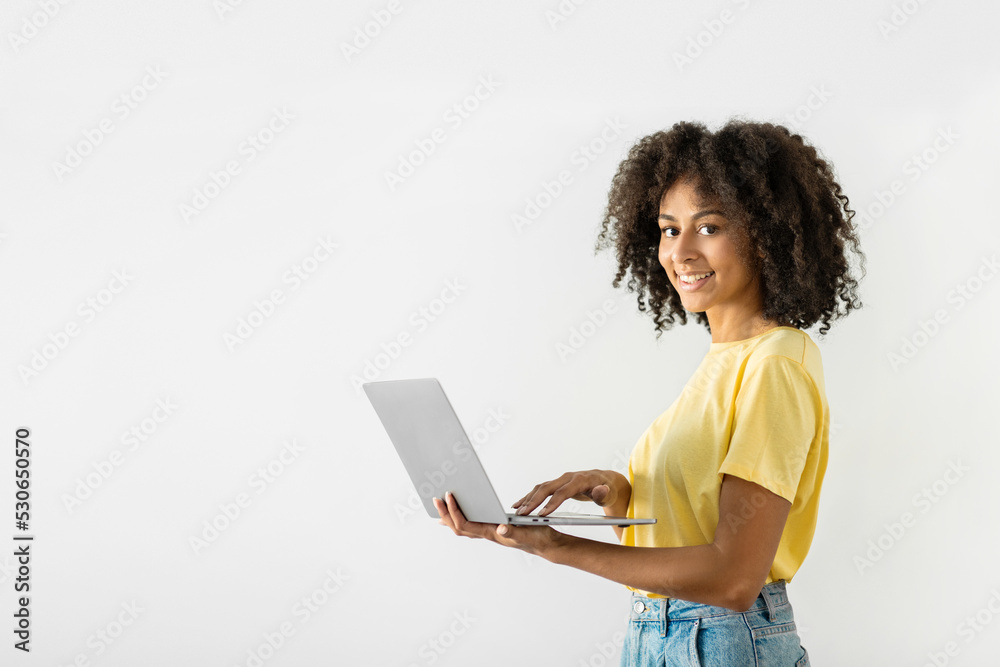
{"points": [[638, 607]]}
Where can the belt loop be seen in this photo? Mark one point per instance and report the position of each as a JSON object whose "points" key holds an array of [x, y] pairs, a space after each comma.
{"points": [[664, 615], [772, 614]]}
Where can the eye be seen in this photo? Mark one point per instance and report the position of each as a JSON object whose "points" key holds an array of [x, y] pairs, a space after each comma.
{"points": [[712, 230]]}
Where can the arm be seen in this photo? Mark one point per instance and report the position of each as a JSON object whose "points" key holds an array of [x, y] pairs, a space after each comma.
{"points": [[729, 572], [623, 493]]}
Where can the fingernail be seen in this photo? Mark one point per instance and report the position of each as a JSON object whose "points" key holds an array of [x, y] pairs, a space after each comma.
{"points": [[502, 529]]}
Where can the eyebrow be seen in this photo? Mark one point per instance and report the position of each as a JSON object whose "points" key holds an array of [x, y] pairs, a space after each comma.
{"points": [[699, 214]]}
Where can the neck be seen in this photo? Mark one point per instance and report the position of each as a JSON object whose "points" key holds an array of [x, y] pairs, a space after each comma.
{"points": [[741, 329]]}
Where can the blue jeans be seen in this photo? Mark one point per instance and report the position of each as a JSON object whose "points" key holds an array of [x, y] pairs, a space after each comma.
{"points": [[672, 633]]}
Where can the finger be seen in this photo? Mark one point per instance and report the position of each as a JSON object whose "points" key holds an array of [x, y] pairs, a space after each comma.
{"points": [[462, 525], [457, 518], [600, 493], [533, 500], [511, 536], [577, 487], [541, 492], [446, 519], [526, 496], [558, 497], [525, 538]]}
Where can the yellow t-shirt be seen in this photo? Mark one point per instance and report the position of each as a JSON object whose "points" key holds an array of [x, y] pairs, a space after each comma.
{"points": [[754, 408]]}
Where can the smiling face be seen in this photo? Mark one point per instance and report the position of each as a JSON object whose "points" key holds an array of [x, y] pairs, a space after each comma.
{"points": [[696, 239]]}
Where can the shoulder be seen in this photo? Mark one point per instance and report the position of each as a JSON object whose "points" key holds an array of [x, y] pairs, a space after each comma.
{"points": [[793, 344], [790, 348]]}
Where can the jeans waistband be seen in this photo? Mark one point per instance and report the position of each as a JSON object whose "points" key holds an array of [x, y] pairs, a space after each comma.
{"points": [[644, 608]]}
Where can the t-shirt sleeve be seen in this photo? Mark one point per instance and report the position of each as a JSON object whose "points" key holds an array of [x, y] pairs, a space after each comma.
{"points": [[778, 415]]}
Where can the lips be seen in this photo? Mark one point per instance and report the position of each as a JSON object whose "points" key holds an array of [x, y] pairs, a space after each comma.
{"points": [[699, 276], [691, 287]]}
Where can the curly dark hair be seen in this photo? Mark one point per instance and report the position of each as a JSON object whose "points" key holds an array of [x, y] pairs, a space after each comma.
{"points": [[773, 186]]}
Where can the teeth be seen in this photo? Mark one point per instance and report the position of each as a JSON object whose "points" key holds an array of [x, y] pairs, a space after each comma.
{"points": [[695, 278]]}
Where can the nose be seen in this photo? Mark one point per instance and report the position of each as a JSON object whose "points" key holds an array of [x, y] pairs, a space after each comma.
{"points": [[683, 248]]}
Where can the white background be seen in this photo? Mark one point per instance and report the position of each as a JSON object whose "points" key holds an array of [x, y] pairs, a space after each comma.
{"points": [[405, 590]]}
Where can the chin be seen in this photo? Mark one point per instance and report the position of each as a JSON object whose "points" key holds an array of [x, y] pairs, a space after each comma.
{"points": [[694, 308]]}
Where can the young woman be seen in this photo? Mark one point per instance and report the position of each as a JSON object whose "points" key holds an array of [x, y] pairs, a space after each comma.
{"points": [[747, 229]]}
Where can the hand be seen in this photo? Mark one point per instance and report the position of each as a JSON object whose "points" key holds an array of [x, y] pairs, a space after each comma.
{"points": [[600, 486], [533, 539]]}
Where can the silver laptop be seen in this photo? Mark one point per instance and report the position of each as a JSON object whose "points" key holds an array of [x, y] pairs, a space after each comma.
{"points": [[439, 457]]}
